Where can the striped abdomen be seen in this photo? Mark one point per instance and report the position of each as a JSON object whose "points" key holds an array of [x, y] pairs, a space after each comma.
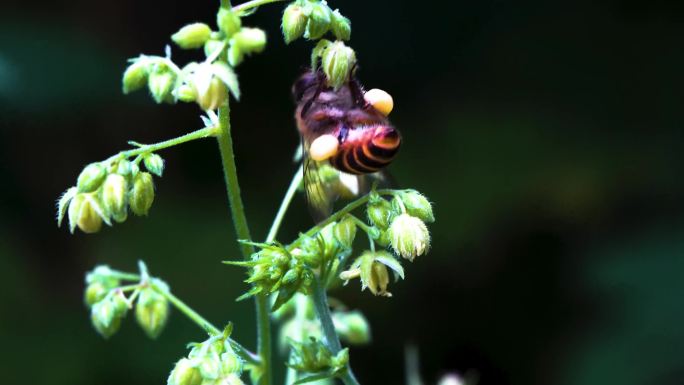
{"points": [[367, 150]]}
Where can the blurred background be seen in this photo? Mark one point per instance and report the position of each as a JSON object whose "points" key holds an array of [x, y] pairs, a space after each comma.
{"points": [[547, 134]]}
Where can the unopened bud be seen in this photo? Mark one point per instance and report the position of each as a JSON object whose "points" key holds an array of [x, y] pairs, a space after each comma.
{"points": [[210, 366], [142, 194], [91, 177], [341, 26], [161, 85], [416, 204], [235, 55], [135, 76], [192, 36], [95, 292], [86, 213], [319, 21], [379, 212], [152, 312], [352, 327], [186, 93], [114, 197], [379, 279], [106, 315], [228, 22], [294, 22], [230, 363], [184, 373], [383, 239], [409, 236], [380, 100], [250, 40], [345, 231], [154, 164], [126, 169], [337, 62]]}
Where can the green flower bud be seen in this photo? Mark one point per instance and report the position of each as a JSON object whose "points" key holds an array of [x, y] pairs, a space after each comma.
{"points": [[211, 46], [106, 315], [185, 93], [154, 164], [142, 194], [409, 236], [340, 360], [372, 268], [384, 238], [152, 312], [192, 36], [416, 204], [210, 366], [250, 40], [337, 62], [91, 177], [184, 373], [341, 26], [135, 76], [379, 212], [345, 231], [294, 22], [95, 292], [114, 197], [230, 363], [86, 212], [235, 55], [228, 22], [126, 169], [161, 85], [352, 327], [214, 96], [319, 21]]}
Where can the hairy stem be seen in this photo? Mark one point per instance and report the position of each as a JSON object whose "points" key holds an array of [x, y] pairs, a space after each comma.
{"points": [[225, 142], [252, 4], [296, 180]]}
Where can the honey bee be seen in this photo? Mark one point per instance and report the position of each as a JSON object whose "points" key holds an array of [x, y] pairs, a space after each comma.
{"points": [[342, 129]]}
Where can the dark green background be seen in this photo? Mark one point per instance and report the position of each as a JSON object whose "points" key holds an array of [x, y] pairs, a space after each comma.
{"points": [[548, 134]]}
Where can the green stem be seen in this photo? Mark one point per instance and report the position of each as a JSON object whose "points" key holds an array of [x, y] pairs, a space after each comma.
{"points": [[252, 4], [320, 299], [225, 142], [294, 184]]}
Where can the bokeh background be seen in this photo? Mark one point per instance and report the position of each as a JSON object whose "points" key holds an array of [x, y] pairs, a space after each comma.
{"points": [[548, 135]]}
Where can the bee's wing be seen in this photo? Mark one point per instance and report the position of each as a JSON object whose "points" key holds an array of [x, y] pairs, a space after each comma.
{"points": [[320, 191]]}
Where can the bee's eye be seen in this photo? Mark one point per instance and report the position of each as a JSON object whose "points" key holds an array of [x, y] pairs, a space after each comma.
{"points": [[323, 147], [380, 100]]}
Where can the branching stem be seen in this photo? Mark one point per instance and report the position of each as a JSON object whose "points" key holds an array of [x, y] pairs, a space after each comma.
{"points": [[251, 4]]}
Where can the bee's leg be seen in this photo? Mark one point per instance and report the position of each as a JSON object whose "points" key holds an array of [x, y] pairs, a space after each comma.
{"points": [[357, 93], [319, 89]]}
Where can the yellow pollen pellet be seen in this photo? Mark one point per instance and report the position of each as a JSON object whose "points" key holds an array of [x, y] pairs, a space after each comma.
{"points": [[380, 100], [323, 147]]}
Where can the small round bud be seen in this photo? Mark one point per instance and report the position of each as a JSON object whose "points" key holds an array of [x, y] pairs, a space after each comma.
{"points": [[135, 76], [379, 212], [152, 312], [184, 373], [126, 169], [228, 22], [106, 315], [294, 22], [142, 194], [352, 327], [161, 86], [341, 26], [416, 204], [95, 292], [337, 62], [323, 147], [210, 366], [192, 36], [250, 40], [319, 21], [380, 100], [91, 177], [154, 164], [185, 93], [114, 197], [214, 95], [86, 213], [345, 231], [409, 236], [383, 239], [230, 363]]}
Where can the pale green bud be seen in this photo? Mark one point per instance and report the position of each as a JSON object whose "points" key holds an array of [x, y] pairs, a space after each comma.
{"points": [[378, 279], [337, 62], [250, 40], [379, 212], [230, 363], [114, 197], [91, 177], [184, 373], [345, 231], [383, 239], [86, 212], [294, 22], [352, 327], [142, 194], [416, 204], [235, 55], [161, 86], [341, 26], [214, 96], [152, 312], [186, 93], [210, 366], [319, 21], [126, 169], [228, 22], [192, 36], [95, 292], [154, 164], [341, 359], [135, 76], [106, 315], [409, 236]]}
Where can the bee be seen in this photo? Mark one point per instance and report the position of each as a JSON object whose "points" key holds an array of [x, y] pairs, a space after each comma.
{"points": [[343, 130]]}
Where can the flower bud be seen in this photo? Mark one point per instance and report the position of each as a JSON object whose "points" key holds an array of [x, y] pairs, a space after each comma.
{"points": [[379, 212], [380, 100], [91, 177], [341, 26], [383, 239], [409, 236], [345, 231], [114, 197], [192, 36], [416, 204], [184, 373], [154, 164], [95, 292], [126, 169], [352, 327], [294, 22], [250, 40], [161, 85], [86, 213], [152, 312], [185, 93], [209, 366], [142, 194], [378, 279], [135, 76], [230, 363], [228, 22], [106, 315], [337, 62], [235, 55], [319, 21]]}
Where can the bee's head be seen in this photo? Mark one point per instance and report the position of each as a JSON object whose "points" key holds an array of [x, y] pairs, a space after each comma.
{"points": [[307, 81]]}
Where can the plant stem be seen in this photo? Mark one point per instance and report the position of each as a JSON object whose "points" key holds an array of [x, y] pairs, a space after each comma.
{"points": [[225, 142], [320, 299], [252, 4], [296, 180]]}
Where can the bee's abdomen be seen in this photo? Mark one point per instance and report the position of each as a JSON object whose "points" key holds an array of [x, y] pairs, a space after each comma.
{"points": [[369, 152]]}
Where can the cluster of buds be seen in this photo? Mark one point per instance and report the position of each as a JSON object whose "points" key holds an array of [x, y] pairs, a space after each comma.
{"points": [[337, 61], [312, 19], [312, 356], [109, 305], [210, 362], [105, 191]]}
